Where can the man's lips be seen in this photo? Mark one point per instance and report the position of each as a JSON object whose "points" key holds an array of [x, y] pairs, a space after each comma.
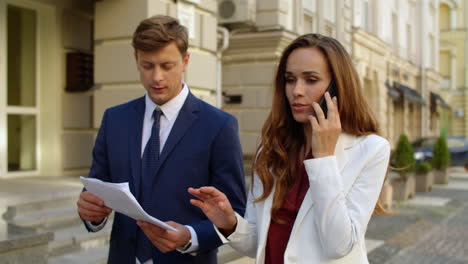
{"points": [[157, 89]]}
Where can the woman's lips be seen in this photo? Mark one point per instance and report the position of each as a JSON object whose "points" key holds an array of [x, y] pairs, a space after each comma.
{"points": [[299, 107]]}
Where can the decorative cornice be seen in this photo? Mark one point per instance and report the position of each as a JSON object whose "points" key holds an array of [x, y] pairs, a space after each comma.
{"points": [[370, 41], [257, 46], [433, 75]]}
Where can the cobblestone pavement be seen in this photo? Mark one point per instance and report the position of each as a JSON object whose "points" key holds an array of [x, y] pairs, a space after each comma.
{"points": [[432, 228]]}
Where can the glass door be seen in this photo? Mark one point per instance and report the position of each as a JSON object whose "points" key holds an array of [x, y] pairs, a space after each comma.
{"points": [[19, 93]]}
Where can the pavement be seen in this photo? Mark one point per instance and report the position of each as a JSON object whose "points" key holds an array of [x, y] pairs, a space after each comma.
{"points": [[430, 228]]}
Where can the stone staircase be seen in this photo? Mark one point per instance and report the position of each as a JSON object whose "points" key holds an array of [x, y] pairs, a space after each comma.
{"points": [[72, 243], [42, 205]]}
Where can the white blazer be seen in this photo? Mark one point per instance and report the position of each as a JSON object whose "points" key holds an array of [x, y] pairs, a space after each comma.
{"points": [[332, 220]]}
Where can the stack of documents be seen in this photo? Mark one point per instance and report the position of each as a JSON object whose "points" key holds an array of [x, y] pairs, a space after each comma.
{"points": [[118, 197]]}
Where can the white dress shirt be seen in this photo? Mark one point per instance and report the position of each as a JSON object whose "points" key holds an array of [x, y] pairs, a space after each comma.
{"points": [[170, 111]]}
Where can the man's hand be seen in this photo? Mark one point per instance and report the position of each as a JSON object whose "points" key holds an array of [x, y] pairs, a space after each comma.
{"points": [[163, 239], [91, 208]]}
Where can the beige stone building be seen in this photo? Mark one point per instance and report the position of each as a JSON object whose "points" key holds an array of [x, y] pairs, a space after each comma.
{"points": [[395, 50], [394, 46], [63, 62], [453, 52]]}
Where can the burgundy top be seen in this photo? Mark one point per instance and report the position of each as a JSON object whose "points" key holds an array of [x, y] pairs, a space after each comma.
{"points": [[278, 234]]}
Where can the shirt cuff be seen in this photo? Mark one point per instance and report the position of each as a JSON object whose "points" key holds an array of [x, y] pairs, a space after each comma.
{"points": [[193, 243], [95, 228]]}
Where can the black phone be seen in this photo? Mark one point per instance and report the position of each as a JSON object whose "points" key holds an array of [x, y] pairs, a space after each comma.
{"points": [[333, 92]]}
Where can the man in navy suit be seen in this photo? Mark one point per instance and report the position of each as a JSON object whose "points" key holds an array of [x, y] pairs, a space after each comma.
{"points": [[162, 144]]}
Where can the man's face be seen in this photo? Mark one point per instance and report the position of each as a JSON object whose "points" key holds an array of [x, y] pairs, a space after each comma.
{"points": [[161, 72]]}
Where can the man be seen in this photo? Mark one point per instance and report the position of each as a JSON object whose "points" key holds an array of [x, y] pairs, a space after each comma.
{"points": [[162, 144]]}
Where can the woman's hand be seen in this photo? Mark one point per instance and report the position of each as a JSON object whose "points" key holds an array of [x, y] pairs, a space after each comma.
{"points": [[325, 131], [216, 207]]}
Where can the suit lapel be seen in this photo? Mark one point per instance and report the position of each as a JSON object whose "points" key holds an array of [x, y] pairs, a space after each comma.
{"points": [[136, 126], [187, 115]]}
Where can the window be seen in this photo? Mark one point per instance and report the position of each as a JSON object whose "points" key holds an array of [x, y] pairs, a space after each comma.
{"points": [[431, 52], [444, 17], [330, 10], [395, 33], [409, 42], [445, 63], [365, 15], [21, 91]]}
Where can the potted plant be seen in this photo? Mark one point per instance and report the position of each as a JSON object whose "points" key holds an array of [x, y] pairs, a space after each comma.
{"points": [[441, 160], [386, 195], [404, 186], [424, 177]]}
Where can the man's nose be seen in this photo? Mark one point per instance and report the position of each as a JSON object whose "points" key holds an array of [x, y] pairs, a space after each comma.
{"points": [[157, 75]]}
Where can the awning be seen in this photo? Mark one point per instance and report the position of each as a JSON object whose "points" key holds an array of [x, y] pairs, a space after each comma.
{"points": [[410, 94], [392, 92], [436, 98]]}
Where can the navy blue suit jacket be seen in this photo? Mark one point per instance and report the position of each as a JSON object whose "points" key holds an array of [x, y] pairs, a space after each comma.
{"points": [[202, 149]]}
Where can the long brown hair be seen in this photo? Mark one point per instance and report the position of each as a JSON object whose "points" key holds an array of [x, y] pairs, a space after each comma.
{"points": [[283, 137]]}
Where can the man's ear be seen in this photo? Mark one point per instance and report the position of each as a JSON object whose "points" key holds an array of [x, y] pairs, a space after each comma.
{"points": [[185, 61]]}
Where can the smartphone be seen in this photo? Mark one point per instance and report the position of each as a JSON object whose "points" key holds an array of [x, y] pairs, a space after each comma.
{"points": [[333, 92]]}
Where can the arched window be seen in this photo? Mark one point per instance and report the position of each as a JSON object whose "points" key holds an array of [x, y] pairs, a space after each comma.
{"points": [[444, 17]]}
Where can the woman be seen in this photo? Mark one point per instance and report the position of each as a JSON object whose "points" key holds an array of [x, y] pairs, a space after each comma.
{"points": [[317, 177]]}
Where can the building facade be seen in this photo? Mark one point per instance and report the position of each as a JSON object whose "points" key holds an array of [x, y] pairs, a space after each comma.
{"points": [[453, 52], [65, 62]]}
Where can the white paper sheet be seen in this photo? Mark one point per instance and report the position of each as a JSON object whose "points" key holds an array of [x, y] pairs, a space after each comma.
{"points": [[118, 197]]}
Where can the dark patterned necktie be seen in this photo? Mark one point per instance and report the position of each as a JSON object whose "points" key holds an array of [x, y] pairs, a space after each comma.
{"points": [[149, 164]]}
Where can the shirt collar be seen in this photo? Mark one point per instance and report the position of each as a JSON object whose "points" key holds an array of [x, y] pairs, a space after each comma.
{"points": [[171, 108]]}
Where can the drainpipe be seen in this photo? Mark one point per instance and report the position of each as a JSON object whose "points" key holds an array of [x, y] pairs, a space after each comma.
{"points": [[219, 96]]}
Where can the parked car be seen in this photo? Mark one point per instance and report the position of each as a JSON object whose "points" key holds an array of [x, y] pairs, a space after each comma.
{"points": [[458, 148]]}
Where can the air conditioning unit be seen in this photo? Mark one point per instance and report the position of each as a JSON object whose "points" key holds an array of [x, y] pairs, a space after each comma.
{"points": [[236, 11], [458, 112]]}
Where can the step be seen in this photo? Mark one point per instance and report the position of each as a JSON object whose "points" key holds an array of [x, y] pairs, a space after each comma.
{"points": [[76, 238], [47, 219], [96, 255], [36, 206]]}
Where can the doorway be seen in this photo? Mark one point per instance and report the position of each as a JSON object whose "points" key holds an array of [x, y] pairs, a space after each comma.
{"points": [[19, 89]]}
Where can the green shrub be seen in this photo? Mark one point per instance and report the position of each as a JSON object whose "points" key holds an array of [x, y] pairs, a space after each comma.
{"points": [[404, 157], [440, 154], [423, 167]]}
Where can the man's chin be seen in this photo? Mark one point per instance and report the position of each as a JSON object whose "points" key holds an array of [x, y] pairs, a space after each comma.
{"points": [[159, 100]]}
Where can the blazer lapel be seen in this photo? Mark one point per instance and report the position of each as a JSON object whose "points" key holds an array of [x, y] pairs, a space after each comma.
{"points": [[136, 126], [266, 219], [345, 142], [187, 115]]}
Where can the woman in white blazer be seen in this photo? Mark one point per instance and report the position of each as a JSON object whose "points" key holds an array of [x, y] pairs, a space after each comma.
{"points": [[317, 174]]}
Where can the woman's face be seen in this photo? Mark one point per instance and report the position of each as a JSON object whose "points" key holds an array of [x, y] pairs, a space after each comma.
{"points": [[307, 77]]}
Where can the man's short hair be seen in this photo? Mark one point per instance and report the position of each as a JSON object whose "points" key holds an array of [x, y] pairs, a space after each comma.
{"points": [[158, 31]]}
